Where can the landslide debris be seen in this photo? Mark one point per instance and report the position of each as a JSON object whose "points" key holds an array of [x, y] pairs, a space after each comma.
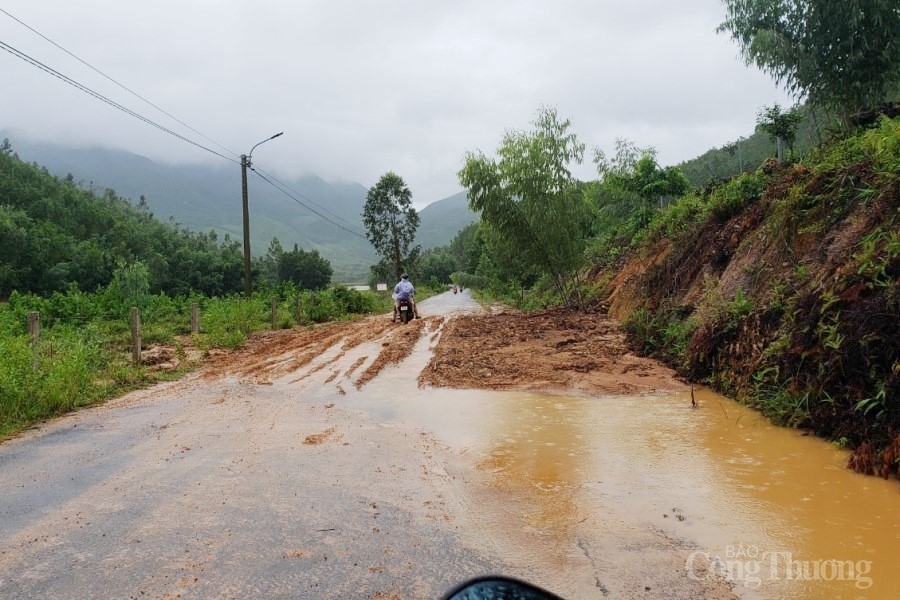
{"points": [[549, 350]]}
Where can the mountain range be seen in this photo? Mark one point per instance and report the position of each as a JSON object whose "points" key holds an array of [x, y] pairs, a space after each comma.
{"points": [[307, 211]]}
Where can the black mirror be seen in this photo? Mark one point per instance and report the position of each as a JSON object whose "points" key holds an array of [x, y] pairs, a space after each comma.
{"points": [[499, 588]]}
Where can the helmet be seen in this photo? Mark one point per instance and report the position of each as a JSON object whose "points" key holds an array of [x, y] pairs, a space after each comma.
{"points": [[404, 276]]}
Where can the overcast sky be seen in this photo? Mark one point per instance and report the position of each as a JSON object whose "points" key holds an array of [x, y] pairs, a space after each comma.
{"points": [[365, 87]]}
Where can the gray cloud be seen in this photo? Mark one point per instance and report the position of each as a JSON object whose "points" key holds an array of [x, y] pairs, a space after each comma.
{"points": [[361, 88]]}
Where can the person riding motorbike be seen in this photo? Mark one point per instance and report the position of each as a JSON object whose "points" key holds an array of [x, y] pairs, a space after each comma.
{"points": [[404, 290]]}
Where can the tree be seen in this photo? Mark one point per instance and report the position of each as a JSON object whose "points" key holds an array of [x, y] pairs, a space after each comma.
{"points": [[131, 283], [632, 183], [526, 199], [391, 222], [780, 126], [656, 184], [842, 55], [436, 266], [269, 264], [466, 247], [307, 269]]}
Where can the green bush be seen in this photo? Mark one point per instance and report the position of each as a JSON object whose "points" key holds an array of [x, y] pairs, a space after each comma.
{"points": [[320, 307], [17, 380], [664, 333], [644, 330], [61, 378], [226, 322], [678, 218], [353, 301], [730, 199]]}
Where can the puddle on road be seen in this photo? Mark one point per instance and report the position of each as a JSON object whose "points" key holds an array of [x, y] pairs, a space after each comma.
{"points": [[778, 508]]}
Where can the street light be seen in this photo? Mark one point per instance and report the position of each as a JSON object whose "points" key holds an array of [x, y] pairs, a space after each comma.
{"points": [[245, 164]]}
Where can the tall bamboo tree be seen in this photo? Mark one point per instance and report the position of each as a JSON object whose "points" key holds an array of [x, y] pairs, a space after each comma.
{"points": [[839, 54], [529, 198]]}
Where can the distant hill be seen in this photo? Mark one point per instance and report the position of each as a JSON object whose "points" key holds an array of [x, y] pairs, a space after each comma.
{"points": [[442, 220], [323, 216]]}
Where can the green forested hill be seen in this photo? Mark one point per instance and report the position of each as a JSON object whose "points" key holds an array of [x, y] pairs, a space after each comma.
{"points": [[746, 153], [54, 234], [204, 198], [442, 220]]}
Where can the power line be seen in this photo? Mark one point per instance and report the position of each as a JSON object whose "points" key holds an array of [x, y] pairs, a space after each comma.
{"points": [[133, 93], [36, 63], [260, 172], [286, 192], [284, 188]]}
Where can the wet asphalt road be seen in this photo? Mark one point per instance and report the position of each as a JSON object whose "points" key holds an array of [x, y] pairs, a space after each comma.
{"points": [[205, 489]]}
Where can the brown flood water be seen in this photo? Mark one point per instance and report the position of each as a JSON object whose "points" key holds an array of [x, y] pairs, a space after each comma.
{"points": [[776, 510]]}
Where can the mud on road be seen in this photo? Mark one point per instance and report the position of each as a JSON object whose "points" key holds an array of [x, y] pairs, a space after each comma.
{"points": [[552, 351]]}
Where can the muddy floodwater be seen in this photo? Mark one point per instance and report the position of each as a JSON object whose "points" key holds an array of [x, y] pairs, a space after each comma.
{"points": [[776, 511]]}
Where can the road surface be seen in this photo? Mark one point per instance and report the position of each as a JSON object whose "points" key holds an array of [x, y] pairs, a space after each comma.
{"points": [[314, 471]]}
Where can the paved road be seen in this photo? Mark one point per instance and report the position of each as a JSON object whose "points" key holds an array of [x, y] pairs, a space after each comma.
{"points": [[206, 489], [304, 487]]}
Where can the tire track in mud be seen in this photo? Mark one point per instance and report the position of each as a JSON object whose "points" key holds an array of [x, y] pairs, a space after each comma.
{"points": [[397, 346], [270, 355]]}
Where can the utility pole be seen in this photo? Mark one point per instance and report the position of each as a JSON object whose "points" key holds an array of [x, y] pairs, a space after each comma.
{"points": [[248, 285], [245, 164]]}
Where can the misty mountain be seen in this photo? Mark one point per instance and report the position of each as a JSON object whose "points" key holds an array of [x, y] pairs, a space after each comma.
{"points": [[313, 213], [442, 220]]}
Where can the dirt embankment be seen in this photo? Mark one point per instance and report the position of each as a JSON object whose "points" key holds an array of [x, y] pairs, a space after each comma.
{"points": [[784, 295]]}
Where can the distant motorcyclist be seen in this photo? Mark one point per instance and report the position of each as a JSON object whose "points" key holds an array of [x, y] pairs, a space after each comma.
{"points": [[404, 290]]}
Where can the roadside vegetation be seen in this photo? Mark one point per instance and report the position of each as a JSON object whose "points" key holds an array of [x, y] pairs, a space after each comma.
{"points": [[779, 287], [84, 353]]}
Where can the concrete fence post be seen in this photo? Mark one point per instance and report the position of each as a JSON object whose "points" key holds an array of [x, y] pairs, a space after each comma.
{"points": [[135, 335], [195, 318], [34, 330]]}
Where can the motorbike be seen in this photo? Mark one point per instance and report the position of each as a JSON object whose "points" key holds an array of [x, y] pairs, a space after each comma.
{"points": [[498, 588], [404, 307]]}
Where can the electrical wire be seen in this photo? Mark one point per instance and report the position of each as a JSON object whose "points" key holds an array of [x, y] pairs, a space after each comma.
{"points": [[133, 93], [287, 193], [271, 180], [260, 172], [36, 63]]}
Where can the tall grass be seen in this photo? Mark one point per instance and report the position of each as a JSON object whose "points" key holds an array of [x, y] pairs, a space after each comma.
{"points": [[58, 378], [84, 351]]}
